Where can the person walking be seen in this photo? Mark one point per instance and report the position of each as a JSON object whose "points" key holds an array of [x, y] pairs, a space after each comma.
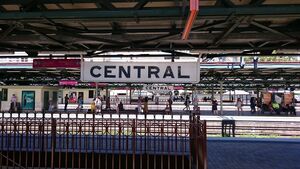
{"points": [[239, 105], [66, 102]]}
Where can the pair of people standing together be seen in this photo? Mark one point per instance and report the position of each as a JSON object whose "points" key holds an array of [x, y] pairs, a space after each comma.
{"points": [[239, 105]]}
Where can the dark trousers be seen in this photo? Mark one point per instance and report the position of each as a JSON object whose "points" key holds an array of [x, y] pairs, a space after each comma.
{"points": [[66, 105]]}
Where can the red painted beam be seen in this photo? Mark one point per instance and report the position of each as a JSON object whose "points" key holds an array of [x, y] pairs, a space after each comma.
{"points": [[194, 8]]}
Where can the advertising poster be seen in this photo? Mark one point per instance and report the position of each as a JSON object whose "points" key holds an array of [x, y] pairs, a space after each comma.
{"points": [[28, 100], [72, 97], [288, 98], [267, 97]]}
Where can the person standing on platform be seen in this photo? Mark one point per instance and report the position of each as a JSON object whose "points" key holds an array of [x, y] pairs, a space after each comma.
{"points": [[187, 103], [167, 109], [66, 102], [93, 106], [253, 104], [13, 104], [121, 106], [239, 105], [214, 104], [146, 104], [98, 104], [107, 103], [80, 103], [139, 106], [170, 102], [51, 106], [117, 102], [157, 99], [195, 103]]}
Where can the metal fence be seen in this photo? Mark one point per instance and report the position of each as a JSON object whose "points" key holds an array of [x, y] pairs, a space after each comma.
{"points": [[108, 141]]}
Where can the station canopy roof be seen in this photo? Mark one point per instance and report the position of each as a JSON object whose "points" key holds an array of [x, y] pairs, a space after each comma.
{"points": [[97, 27], [143, 25]]}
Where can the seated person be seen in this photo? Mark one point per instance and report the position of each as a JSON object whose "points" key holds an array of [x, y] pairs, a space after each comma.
{"points": [[121, 106]]}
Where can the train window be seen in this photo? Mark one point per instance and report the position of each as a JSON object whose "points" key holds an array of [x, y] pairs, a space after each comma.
{"points": [[91, 93], [4, 95]]}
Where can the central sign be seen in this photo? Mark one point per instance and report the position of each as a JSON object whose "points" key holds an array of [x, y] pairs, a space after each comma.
{"points": [[141, 72], [157, 88]]}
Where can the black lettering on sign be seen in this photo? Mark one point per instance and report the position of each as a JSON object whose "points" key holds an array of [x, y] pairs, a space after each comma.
{"points": [[108, 71], [153, 70], [139, 68], [125, 73], [180, 75], [92, 71], [168, 72]]}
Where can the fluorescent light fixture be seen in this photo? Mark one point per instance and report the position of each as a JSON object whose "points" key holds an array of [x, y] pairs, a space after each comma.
{"points": [[63, 52], [7, 52]]}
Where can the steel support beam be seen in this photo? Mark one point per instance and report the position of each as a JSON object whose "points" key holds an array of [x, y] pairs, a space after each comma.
{"points": [[2, 9], [225, 3], [217, 23], [53, 39], [30, 6], [231, 28], [6, 32], [273, 30], [156, 12], [256, 2], [105, 4], [141, 4], [75, 35]]}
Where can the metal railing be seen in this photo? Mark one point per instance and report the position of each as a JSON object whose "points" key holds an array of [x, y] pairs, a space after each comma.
{"points": [[111, 141]]}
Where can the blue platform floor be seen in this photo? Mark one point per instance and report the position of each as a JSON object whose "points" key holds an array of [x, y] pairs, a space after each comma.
{"points": [[223, 153], [235, 153]]}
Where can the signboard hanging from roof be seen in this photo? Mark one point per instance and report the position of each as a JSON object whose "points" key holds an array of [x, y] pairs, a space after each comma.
{"points": [[140, 72], [157, 88], [56, 63]]}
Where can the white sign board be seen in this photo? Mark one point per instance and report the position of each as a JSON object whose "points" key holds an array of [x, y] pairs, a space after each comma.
{"points": [[158, 88], [140, 72]]}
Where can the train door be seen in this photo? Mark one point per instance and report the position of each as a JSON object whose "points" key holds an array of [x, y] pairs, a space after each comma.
{"points": [[54, 98], [0, 99], [46, 100]]}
